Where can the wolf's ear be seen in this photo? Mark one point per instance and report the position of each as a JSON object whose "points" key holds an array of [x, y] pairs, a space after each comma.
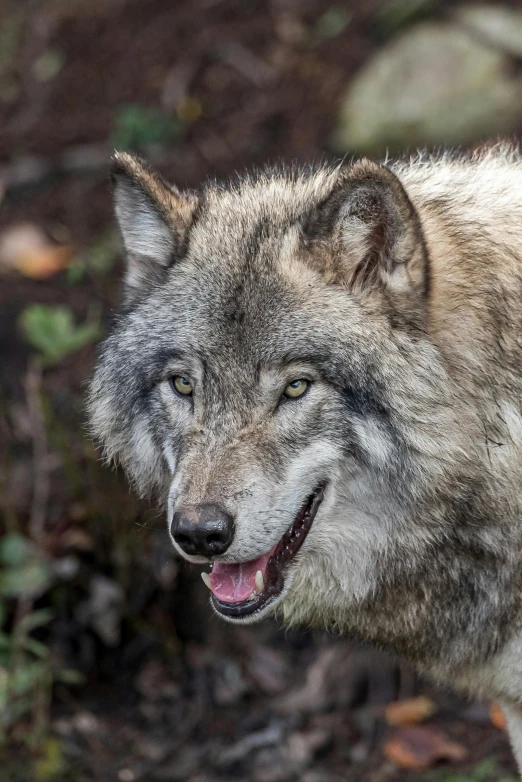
{"points": [[377, 237], [154, 219]]}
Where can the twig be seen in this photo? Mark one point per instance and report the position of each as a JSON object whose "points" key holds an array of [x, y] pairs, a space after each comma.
{"points": [[177, 83], [33, 387], [80, 159], [247, 64]]}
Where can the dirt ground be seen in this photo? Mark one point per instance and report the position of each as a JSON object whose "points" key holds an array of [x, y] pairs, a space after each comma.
{"points": [[165, 691]]}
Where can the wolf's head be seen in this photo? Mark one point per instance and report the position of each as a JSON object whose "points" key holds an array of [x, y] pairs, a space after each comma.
{"points": [[270, 381]]}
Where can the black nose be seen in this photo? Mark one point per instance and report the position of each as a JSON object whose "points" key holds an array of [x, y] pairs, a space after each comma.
{"points": [[203, 530]]}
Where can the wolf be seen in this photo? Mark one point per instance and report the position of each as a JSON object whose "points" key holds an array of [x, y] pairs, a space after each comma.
{"points": [[317, 372]]}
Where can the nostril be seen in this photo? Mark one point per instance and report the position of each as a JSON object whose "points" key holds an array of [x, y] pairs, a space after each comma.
{"points": [[216, 543], [183, 540], [216, 537]]}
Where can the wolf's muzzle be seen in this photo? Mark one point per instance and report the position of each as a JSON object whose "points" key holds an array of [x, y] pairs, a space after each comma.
{"points": [[263, 577], [202, 530]]}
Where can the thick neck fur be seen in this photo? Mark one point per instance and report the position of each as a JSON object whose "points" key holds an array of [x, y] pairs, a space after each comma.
{"points": [[449, 595]]}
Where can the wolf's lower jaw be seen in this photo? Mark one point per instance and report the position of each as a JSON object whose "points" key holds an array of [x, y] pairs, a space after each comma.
{"points": [[270, 583]]}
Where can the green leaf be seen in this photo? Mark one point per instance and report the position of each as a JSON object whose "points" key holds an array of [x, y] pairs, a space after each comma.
{"points": [[48, 65], [28, 581], [69, 676], [5, 641], [331, 23], [14, 550], [393, 15], [484, 771], [97, 260], [52, 764], [28, 676], [138, 126], [4, 687], [53, 332], [35, 647], [33, 620]]}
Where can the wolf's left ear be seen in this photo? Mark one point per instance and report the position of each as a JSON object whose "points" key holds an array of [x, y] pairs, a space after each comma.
{"points": [[376, 233], [154, 219]]}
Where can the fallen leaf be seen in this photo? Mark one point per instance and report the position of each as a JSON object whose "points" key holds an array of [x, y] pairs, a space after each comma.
{"points": [[497, 716], [418, 748], [78, 539], [410, 711], [27, 249], [45, 263]]}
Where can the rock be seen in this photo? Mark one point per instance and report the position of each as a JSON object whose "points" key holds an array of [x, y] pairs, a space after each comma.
{"points": [[155, 683], [270, 736], [302, 746], [103, 609], [269, 669], [290, 758], [435, 84], [229, 686], [499, 26], [66, 568], [182, 766], [269, 766], [320, 776], [86, 723]]}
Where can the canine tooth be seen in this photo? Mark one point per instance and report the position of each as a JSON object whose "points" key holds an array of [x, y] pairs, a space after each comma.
{"points": [[206, 579], [260, 581]]}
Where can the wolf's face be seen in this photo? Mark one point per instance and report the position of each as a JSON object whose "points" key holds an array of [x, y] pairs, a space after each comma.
{"points": [[268, 379]]}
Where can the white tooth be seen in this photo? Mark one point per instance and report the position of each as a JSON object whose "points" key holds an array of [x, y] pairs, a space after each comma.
{"points": [[206, 579], [260, 581]]}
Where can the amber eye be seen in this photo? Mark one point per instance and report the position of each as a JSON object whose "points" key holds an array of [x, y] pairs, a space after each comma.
{"points": [[295, 389], [182, 385]]}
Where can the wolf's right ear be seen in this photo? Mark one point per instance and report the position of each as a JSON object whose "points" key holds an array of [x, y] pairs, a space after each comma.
{"points": [[154, 219]]}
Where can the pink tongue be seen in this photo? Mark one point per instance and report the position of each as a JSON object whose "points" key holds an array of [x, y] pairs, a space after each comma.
{"points": [[236, 582]]}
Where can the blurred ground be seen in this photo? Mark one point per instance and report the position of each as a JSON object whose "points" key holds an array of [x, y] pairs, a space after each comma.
{"points": [[111, 664]]}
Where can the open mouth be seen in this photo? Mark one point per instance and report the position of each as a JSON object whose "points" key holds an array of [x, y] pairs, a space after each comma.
{"points": [[243, 588]]}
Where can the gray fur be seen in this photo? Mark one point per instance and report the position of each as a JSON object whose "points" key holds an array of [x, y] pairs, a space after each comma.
{"points": [[397, 291]]}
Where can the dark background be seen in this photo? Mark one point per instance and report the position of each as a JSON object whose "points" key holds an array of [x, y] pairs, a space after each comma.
{"points": [[112, 666]]}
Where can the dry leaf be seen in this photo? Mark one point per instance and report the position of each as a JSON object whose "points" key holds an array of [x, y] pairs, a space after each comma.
{"points": [[409, 712], [78, 539], [45, 263], [26, 248], [418, 748], [497, 716]]}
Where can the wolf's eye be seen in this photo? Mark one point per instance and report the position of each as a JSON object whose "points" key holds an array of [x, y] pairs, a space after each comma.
{"points": [[181, 385], [295, 389]]}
